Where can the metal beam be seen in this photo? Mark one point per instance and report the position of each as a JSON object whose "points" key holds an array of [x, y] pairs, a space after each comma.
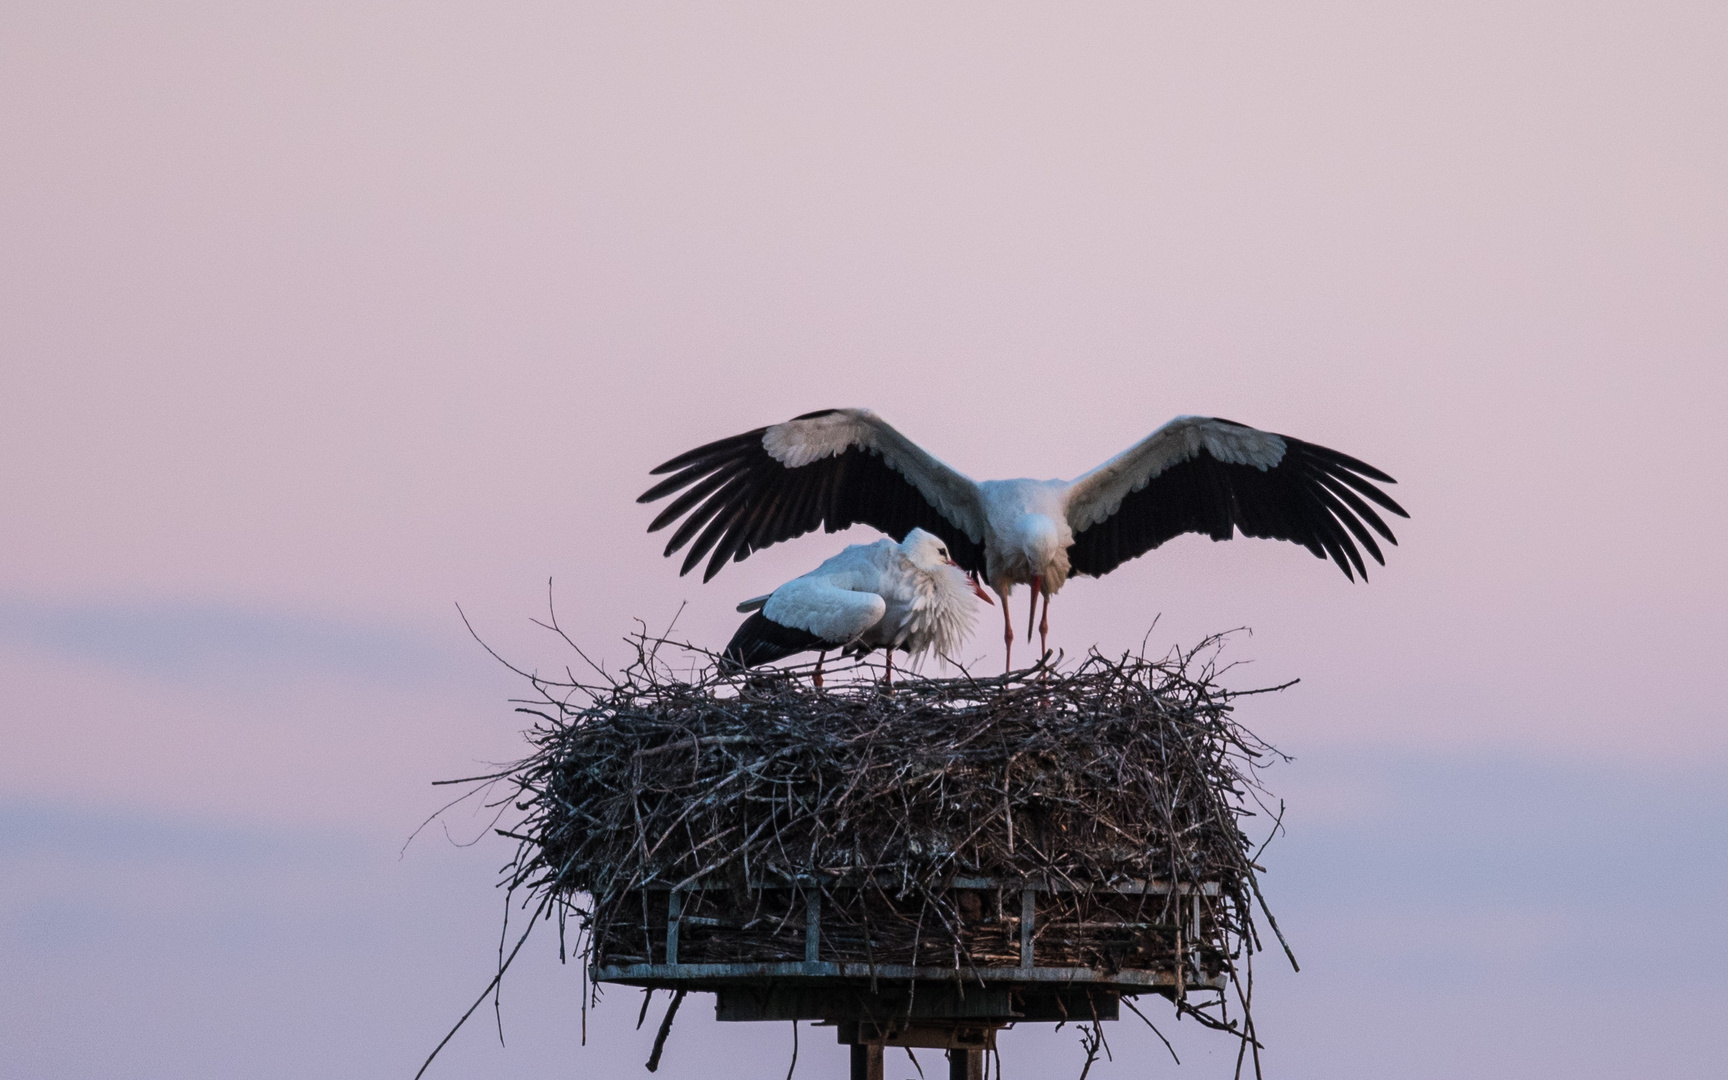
{"points": [[665, 974]]}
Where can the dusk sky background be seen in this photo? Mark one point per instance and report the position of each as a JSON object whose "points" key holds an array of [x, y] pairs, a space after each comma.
{"points": [[318, 319]]}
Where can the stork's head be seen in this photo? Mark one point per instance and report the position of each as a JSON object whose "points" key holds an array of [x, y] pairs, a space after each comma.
{"points": [[929, 553], [1038, 541]]}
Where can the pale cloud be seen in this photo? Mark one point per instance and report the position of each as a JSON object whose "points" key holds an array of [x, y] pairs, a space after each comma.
{"points": [[188, 640]]}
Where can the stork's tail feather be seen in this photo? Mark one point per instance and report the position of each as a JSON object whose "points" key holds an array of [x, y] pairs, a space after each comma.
{"points": [[761, 640]]}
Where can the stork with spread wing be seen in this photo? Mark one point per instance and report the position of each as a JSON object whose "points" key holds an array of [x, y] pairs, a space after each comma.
{"points": [[841, 467]]}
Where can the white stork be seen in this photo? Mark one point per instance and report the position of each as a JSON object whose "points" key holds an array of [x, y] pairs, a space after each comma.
{"points": [[909, 596], [841, 467]]}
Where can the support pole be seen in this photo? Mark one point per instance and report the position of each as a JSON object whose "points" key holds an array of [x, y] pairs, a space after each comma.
{"points": [[866, 1061], [965, 1064]]}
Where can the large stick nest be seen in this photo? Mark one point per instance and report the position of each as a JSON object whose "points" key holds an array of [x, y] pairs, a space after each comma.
{"points": [[749, 790]]}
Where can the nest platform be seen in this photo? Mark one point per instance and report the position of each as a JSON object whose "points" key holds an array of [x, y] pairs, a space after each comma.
{"points": [[919, 866]]}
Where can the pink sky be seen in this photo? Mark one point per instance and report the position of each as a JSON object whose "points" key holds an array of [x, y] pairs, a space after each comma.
{"points": [[316, 319]]}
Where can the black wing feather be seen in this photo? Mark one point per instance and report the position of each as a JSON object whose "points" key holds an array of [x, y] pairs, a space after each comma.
{"points": [[692, 524], [1313, 497], [701, 489], [761, 640], [719, 448], [739, 499]]}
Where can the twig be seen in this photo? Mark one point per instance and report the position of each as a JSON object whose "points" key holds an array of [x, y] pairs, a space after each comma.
{"points": [[505, 966], [1090, 1040], [665, 1030], [1128, 1001]]}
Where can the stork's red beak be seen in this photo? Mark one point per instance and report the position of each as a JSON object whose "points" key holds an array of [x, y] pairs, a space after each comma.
{"points": [[978, 590]]}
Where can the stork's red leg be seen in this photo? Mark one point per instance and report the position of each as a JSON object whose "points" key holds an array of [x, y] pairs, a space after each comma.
{"points": [[1007, 633], [1032, 612], [817, 679], [1044, 630]]}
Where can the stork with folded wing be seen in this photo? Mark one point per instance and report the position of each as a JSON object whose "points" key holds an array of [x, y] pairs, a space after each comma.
{"points": [[909, 596]]}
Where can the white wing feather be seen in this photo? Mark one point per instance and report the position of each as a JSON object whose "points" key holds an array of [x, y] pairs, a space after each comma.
{"points": [[1098, 495], [819, 606], [799, 442]]}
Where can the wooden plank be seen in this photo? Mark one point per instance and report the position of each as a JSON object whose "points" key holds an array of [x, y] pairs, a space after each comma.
{"points": [[812, 926], [818, 999], [1028, 908], [674, 909]]}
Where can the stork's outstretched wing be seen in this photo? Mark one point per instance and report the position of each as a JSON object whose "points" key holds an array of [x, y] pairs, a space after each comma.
{"points": [[833, 469], [1205, 475]]}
